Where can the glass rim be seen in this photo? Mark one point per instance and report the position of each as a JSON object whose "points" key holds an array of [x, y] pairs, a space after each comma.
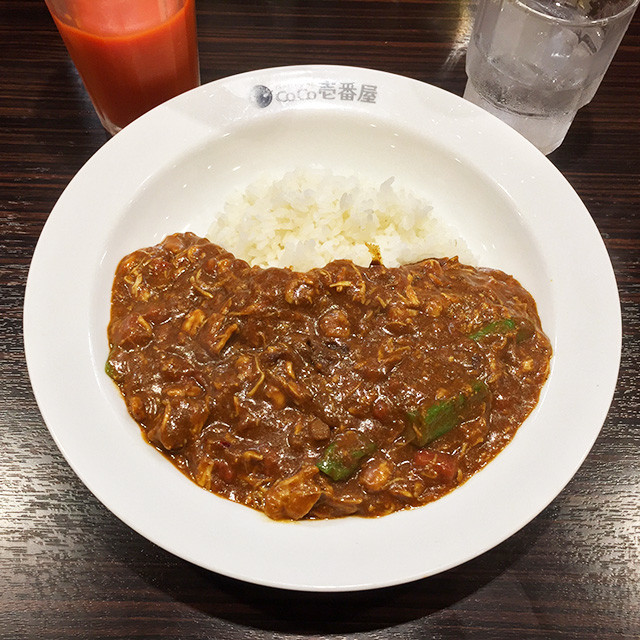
{"points": [[586, 21]]}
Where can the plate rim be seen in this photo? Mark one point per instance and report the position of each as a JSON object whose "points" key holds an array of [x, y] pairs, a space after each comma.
{"points": [[36, 267]]}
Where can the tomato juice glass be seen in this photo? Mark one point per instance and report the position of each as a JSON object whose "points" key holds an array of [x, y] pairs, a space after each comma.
{"points": [[132, 55]]}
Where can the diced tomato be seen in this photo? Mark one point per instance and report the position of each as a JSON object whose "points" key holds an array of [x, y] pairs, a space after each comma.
{"points": [[156, 313], [381, 408], [444, 464], [158, 266], [224, 470], [129, 332]]}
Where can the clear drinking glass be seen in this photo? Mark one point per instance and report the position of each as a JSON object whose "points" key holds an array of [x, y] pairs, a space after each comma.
{"points": [[534, 63], [132, 55]]}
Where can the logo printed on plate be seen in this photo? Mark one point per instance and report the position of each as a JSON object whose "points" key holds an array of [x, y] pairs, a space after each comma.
{"points": [[263, 96]]}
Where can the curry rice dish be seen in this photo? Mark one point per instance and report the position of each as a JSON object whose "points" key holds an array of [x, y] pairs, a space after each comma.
{"points": [[337, 391]]}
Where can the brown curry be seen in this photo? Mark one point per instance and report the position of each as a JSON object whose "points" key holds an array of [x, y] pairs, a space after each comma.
{"points": [[343, 390]]}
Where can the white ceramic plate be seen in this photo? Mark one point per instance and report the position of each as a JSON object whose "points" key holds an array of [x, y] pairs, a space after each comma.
{"points": [[171, 171]]}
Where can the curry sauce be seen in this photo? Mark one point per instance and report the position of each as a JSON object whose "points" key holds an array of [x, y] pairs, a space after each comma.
{"points": [[342, 390]]}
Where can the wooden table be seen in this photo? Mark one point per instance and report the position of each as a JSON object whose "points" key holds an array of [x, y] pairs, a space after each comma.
{"points": [[70, 569]]}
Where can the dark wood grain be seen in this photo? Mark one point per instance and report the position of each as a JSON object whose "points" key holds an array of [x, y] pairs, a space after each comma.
{"points": [[70, 569]]}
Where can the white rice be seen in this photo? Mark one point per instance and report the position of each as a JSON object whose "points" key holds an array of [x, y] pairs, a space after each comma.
{"points": [[310, 216]]}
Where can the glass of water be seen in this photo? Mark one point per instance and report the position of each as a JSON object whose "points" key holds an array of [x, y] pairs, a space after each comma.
{"points": [[534, 63]]}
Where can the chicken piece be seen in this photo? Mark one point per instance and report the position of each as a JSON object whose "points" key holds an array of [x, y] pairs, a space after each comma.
{"points": [[293, 497]]}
